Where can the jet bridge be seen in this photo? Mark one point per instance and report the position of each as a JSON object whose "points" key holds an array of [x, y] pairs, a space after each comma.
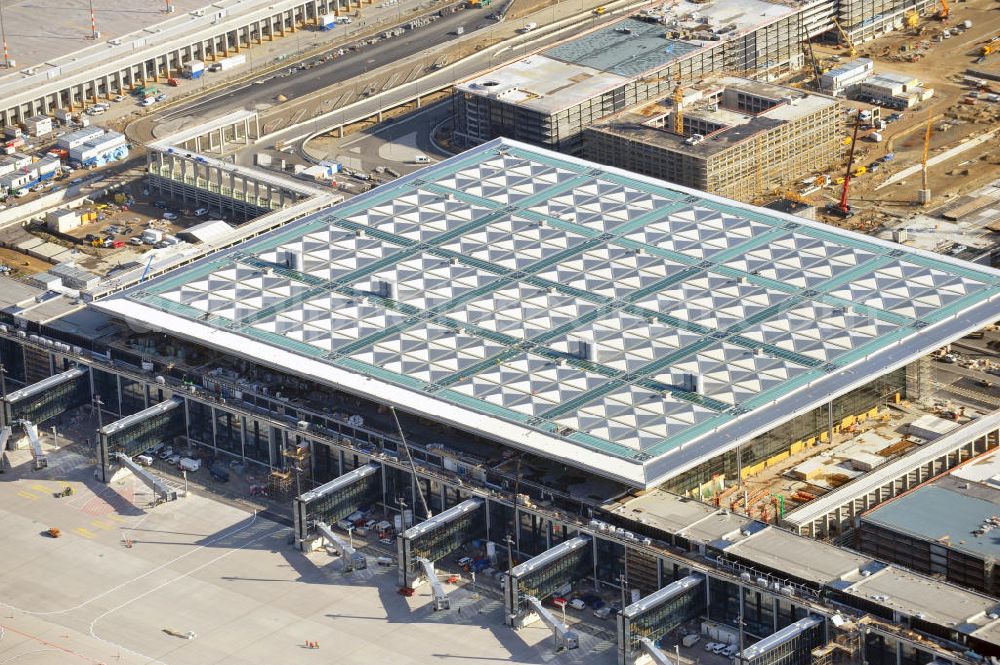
{"points": [[438, 537], [545, 574], [37, 453], [650, 649], [441, 601], [4, 442], [564, 637], [336, 499], [657, 614], [798, 638], [161, 491], [353, 560], [133, 434], [49, 397]]}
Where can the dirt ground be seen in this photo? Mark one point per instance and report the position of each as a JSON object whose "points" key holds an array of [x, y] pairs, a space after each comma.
{"points": [[22, 264], [942, 68]]}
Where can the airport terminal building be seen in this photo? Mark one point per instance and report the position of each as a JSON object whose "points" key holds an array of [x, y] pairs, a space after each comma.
{"points": [[570, 348]]}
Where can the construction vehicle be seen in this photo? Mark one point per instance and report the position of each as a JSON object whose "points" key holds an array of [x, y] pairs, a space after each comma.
{"points": [[817, 70], [54, 532], [912, 19], [598, 11], [841, 208], [986, 49], [942, 14], [847, 39]]}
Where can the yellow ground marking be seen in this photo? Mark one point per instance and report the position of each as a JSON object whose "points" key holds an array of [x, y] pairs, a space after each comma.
{"points": [[41, 488], [101, 525], [83, 532], [27, 495]]}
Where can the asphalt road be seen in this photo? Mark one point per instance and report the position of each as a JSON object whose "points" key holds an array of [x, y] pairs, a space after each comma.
{"points": [[341, 69]]}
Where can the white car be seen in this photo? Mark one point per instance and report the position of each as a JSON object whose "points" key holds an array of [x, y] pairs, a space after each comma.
{"points": [[710, 646], [577, 604], [719, 648], [200, 211], [169, 216]]}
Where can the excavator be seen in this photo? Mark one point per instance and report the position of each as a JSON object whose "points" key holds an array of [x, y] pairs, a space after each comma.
{"points": [[942, 14]]}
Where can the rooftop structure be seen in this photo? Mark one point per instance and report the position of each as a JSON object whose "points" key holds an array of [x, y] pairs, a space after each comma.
{"points": [[738, 135], [948, 525], [609, 321]]}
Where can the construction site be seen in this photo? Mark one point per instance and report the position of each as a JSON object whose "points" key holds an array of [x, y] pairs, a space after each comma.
{"points": [[930, 70]]}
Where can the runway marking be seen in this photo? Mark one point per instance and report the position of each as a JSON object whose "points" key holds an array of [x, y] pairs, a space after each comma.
{"points": [[41, 488], [55, 647], [84, 532], [27, 495], [101, 525]]}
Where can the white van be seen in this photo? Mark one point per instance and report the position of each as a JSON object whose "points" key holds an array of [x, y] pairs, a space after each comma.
{"points": [[148, 101], [188, 464], [421, 159]]}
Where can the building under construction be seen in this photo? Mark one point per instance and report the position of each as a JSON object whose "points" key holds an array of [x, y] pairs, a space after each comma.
{"points": [[733, 137], [549, 97]]}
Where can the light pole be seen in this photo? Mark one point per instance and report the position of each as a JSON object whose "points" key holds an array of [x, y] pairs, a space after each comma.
{"points": [[96, 401], [623, 580], [55, 437], [3, 394], [3, 33], [510, 552], [402, 510]]}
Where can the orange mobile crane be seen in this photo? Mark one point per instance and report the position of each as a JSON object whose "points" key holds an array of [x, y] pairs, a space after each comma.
{"points": [[942, 14], [841, 208]]}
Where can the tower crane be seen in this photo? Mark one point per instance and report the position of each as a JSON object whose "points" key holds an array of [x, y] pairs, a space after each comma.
{"points": [[413, 467], [678, 112], [924, 195], [842, 209]]}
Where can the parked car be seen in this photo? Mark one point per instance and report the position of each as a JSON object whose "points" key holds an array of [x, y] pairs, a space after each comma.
{"points": [[577, 604], [219, 473], [200, 211]]}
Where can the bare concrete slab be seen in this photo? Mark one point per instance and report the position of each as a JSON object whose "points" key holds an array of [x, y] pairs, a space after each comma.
{"points": [[41, 30], [222, 573]]}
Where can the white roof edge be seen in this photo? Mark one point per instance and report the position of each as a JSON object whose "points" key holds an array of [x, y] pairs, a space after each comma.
{"points": [[829, 501], [571, 453]]}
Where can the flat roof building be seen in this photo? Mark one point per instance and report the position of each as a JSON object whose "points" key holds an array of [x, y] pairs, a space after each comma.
{"points": [[948, 526], [549, 97], [641, 331], [740, 137]]}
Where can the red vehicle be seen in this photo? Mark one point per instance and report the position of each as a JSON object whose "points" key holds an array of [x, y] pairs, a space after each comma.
{"points": [[117, 244], [172, 82]]}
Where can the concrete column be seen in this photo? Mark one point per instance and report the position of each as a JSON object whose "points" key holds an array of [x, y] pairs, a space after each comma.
{"points": [[107, 87], [222, 140]]}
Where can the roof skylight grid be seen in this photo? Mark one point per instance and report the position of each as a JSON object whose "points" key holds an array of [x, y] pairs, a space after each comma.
{"points": [[619, 313]]}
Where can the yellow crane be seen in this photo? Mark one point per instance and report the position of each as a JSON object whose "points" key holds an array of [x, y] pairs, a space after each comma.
{"points": [[847, 39], [678, 111]]}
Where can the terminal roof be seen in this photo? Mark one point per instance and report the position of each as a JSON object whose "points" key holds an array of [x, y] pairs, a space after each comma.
{"points": [[949, 511], [613, 322]]}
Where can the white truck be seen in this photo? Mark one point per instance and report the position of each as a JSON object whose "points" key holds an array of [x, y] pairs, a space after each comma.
{"points": [[226, 64]]}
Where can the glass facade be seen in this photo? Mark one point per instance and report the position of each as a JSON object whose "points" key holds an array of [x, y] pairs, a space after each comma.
{"points": [[133, 397], [574, 565], [446, 538], [40, 406], [879, 392], [687, 605], [136, 437], [336, 505], [796, 649]]}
